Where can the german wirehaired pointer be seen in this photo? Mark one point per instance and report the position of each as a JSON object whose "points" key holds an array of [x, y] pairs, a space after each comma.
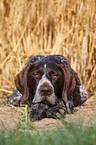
{"points": [[47, 84]]}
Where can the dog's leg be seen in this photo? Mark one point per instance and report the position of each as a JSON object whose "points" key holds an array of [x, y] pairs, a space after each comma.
{"points": [[38, 111]]}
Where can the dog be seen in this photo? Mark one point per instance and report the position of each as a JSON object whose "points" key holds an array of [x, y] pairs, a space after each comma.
{"points": [[46, 84]]}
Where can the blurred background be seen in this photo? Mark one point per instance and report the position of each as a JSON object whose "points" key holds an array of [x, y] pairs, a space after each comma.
{"points": [[31, 27]]}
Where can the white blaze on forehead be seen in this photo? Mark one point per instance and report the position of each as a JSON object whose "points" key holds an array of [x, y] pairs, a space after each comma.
{"points": [[45, 69], [38, 97]]}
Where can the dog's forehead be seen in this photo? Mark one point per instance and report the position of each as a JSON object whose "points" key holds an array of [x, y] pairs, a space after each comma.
{"points": [[45, 66]]}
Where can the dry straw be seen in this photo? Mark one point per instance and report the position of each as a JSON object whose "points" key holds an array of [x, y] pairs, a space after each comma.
{"points": [[31, 27]]}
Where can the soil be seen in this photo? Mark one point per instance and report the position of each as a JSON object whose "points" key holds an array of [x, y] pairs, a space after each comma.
{"points": [[85, 114]]}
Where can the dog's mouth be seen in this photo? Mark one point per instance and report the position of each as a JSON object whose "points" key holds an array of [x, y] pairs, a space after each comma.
{"points": [[44, 102], [47, 103]]}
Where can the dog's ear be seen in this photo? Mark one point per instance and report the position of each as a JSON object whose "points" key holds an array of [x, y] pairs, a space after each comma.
{"points": [[69, 83], [21, 82]]}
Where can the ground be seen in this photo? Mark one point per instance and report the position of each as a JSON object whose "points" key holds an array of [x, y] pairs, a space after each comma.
{"points": [[85, 114]]}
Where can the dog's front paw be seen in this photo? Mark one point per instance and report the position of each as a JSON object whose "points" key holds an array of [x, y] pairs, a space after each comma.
{"points": [[38, 111], [56, 111]]}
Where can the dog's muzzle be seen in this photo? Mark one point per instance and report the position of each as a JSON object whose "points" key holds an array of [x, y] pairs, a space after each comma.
{"points": [[45, 93]]}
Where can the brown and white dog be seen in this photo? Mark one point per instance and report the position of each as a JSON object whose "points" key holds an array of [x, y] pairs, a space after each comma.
{"points": [[51, 81]]}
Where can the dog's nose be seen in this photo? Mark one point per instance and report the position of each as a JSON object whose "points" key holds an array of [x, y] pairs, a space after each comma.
{"points": [[45, 90]]}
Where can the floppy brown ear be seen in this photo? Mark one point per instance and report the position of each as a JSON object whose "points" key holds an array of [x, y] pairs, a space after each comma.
{"points": [[69, 83], [21, 82]]}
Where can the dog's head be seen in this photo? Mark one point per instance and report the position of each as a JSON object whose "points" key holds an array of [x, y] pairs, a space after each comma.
{"points": [[46, 81]]}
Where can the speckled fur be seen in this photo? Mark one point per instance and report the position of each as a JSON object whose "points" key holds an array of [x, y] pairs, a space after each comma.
{"points": [[40, 110]]}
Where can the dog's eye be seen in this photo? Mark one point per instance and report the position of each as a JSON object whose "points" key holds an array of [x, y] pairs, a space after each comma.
{"points": [[37, 75], [54, 76]]}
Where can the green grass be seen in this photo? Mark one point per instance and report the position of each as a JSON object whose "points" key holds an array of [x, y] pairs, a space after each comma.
{"points": [[70, 134]]}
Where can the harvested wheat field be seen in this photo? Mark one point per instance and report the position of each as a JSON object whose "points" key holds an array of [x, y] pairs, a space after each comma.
{"points": [[31, 27]]}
